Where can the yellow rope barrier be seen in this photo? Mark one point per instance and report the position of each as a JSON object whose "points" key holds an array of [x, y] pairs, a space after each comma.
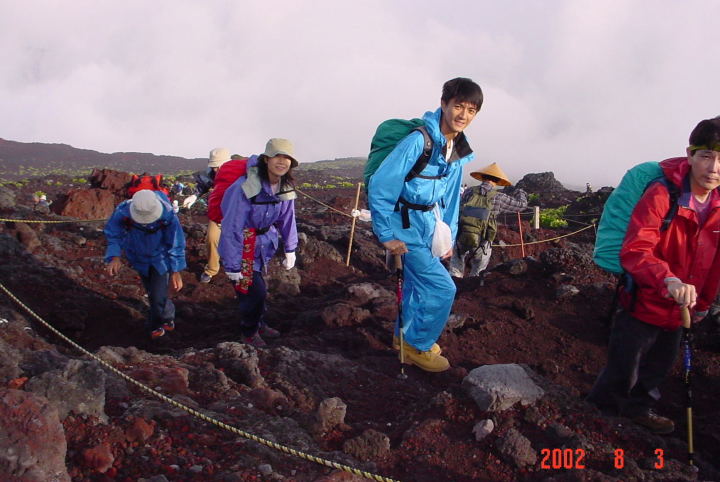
{"points": [[195, 413], [544, 240], [48, 221], [320, 202]]}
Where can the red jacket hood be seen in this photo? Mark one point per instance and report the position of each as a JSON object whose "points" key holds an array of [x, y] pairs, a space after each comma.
{"points": [[675, 169]]}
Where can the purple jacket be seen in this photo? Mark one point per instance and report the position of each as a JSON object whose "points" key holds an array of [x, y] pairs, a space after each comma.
{"points": [[250, 203]]}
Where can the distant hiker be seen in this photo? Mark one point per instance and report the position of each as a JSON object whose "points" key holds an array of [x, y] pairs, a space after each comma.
{"points": [[256, 208], [177, 188], [669, 267], [404, 222], [588, 188], [479, 208], [147, 231], [205, 181], [42, 205]]}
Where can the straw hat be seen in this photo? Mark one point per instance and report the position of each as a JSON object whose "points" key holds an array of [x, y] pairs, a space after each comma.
{"points": [[493, 170]]}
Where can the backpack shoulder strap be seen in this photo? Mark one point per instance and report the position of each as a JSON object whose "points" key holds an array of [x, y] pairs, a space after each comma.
{"points": [[674, 193], [424, 158]]}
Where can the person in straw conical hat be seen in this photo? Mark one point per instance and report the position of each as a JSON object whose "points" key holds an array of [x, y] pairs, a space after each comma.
{"points": [[479, 208]]}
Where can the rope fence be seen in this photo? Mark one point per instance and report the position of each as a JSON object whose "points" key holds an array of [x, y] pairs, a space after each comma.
{"points": [[51, 221], [520, 214], [195, 413]]}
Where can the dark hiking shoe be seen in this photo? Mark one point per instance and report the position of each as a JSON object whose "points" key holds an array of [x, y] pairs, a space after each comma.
{"points": [[654, 422], [157, 333], [205, 278], [268, 332], [254, 340], [169, 325]]}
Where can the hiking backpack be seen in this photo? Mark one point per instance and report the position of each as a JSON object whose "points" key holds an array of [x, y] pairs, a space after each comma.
{"points": [[388, 134], [138, 183], [477, 222], [228, 173], [618, 210]]}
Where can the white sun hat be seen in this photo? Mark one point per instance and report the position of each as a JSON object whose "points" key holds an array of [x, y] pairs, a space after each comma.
{"points": [[145, 207]]}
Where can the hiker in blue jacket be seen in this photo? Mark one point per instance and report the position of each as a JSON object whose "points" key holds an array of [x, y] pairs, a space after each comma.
{"points": [[256, 208], [148, 232], [404, 222]]}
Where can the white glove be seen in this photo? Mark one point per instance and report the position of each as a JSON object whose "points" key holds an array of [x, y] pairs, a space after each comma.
{"points": [[189, 201], [289, 261], [234, 277], [361, 214]]}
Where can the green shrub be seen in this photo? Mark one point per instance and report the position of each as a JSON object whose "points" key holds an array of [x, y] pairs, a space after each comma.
{"points": [[553, 218]]}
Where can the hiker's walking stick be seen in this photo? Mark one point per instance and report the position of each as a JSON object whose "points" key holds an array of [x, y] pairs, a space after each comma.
{"points": [[687, 340], [399, 275]]}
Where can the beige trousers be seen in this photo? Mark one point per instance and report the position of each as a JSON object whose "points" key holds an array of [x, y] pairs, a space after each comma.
{"points": [[213, 238]]}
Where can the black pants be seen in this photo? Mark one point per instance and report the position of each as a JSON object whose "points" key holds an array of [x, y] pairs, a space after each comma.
{"points": [[252, 305], [640, 355], [161, 308]]}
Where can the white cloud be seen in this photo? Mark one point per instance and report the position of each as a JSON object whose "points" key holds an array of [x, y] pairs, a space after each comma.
{"points": [[581, 88]]}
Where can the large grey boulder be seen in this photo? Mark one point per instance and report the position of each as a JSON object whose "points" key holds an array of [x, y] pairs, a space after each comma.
{"points": [[78, 388], [498, 387]]}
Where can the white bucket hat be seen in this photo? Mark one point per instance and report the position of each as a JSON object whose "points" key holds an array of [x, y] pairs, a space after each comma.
{"points": [[145, 207], [218, 157]]}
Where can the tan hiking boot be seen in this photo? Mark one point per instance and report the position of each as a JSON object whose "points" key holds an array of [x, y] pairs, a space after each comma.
{"points": [[435, 348], [427, 360], [654, 422]]}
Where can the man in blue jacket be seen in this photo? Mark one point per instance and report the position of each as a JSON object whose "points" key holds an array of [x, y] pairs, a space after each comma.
{"points": [[428, 291], [147, 230]]}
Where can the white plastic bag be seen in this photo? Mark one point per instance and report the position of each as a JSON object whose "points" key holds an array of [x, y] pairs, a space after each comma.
{"points": [[189, 201], [442, 237]]}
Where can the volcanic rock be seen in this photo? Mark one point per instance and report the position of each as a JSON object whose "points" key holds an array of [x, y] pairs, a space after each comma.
{"points": [[7, 198], [98, 458], [330, 413], [88, 204], [344, 314], [32, 439], [370, 445], [78, 388], [498, 387], [516, 448]]}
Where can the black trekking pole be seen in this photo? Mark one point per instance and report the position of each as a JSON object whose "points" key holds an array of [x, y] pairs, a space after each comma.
{"points": [[687, 339], [399, 274]]}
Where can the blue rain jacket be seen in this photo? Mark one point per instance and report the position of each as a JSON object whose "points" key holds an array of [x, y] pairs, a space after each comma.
{"points": [[387, 186], [163, 249], [428, 290], [266, 210]]}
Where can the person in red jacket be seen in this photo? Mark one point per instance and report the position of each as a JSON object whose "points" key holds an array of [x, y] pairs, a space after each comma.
{"points": [[670, 269]]}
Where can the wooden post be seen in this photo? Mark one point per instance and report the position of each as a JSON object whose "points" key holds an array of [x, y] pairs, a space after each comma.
{"points": [[536, 223], [522, 242], [352, 229]]}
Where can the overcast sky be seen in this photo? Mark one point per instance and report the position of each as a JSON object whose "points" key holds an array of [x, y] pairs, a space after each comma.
{"points": [[583, 88]]}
